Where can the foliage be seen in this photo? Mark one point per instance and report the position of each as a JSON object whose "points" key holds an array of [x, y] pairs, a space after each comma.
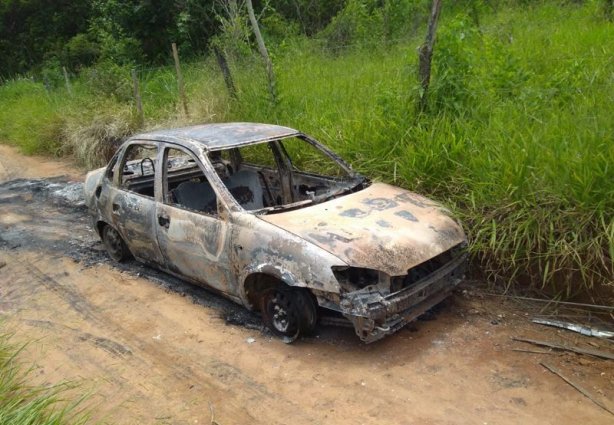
{"points": [[29, 117], [35, 30], [457, 45], [81, 50], [93, 133], [312, 16], [357, 22], [234, 35], [109, 79]]}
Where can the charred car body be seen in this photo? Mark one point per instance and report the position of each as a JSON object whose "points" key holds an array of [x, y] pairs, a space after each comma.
{"points": [[272, 219]]}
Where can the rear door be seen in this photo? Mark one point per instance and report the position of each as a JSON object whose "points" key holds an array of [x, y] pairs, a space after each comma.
{"points": [[132, 201], [193, 238]]}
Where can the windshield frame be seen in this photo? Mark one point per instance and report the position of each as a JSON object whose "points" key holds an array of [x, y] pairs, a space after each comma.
{"points": [[355, 181]]}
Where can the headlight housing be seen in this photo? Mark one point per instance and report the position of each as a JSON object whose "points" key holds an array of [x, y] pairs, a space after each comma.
{"points": [[354, 278]]}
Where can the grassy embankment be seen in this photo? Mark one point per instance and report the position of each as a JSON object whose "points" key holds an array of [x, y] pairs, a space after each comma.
{"points": [[24, 404], [519, 137]]}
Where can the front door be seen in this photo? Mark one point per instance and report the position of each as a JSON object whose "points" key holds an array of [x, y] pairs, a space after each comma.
{"points": [[192, 237]]}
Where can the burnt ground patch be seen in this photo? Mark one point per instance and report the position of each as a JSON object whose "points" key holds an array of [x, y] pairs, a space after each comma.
{"points": [[49, 216]]}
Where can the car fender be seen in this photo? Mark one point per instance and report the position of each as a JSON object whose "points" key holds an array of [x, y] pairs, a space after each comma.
{"points": [[260, 247]]}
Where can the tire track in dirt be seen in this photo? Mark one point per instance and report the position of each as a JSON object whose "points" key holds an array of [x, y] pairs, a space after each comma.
{"points": [[211, 376], [112, 347]]}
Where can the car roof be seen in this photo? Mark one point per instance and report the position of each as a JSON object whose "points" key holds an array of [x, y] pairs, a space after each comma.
{"points": [[219, 136]]}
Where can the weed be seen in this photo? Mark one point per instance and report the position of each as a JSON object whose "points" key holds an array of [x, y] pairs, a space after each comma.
{"points": [[24, 404]]}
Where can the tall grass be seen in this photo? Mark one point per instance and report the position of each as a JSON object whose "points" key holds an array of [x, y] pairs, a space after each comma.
{"points": [[518, 137], [29, 117], [24, 404]]}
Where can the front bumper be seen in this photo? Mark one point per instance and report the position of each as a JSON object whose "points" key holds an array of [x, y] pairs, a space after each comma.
{"points": [[375, 315]]}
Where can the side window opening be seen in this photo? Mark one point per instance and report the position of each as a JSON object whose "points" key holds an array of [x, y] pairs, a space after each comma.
{"points": [[251, 175], [185, 185], [138, 169]]}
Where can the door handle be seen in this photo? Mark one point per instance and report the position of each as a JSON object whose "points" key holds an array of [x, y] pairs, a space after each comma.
{"points": [[164, 221], [115, 208]]}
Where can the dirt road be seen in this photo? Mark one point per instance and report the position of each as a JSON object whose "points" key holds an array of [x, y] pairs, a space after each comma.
{"points": [[153, 350]]}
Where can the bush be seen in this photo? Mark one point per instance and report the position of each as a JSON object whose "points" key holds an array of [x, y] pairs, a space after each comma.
{"points": [[109, 79], [358, 22], [93, 132]]}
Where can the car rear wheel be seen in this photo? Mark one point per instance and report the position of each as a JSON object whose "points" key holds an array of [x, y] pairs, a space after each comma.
{"points": [[289, 312], [114, 244]]}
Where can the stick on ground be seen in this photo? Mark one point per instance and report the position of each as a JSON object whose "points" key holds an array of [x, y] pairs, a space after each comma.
{"points": [[577, 387], [579, 350], [532, 351]]}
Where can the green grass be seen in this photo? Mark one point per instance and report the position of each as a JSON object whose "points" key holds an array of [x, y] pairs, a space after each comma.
{"points": [[518, 138], [29, 117], [24, 404]]}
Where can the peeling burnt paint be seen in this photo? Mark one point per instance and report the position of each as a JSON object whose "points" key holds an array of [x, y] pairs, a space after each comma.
{"points": [[354, 212], [406, 239], [406, 215], [320, 246]]}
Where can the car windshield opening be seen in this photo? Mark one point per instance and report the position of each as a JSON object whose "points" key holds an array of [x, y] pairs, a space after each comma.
{"points": [[283, 174]]}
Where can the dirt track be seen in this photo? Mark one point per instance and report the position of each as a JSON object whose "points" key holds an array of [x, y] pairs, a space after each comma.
{"points": [[153, 350]]}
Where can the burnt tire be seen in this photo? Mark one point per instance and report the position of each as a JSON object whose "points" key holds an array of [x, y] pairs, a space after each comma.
{"points": [[289, 312], [114, 244], [309, 310]]}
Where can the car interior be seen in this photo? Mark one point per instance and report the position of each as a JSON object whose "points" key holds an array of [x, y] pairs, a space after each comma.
{"points": [[252, 174]]}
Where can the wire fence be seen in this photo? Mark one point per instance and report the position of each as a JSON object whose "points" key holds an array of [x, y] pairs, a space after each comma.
{"points": [[373, 73]]}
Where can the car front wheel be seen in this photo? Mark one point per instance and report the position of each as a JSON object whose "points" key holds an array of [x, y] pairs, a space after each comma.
{"points": [[289, 312]]}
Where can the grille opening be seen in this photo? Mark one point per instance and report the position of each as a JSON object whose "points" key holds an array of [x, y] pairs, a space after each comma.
{"points": [[425, 269]]}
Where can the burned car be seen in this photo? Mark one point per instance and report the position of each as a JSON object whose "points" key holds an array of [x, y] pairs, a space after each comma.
{"points": [[274, 220]]}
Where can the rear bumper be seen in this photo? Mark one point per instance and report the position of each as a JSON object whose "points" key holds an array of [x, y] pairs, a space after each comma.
{"points": [[374, 316]]}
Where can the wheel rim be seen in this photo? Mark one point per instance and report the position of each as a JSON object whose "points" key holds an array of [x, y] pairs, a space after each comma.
{"points": [[281, 310]]}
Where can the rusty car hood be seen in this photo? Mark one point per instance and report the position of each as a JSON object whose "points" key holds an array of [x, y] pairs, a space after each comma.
{"points": [[382, 227]]}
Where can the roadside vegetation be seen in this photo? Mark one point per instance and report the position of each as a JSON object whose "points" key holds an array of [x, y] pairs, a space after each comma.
{"points": [[24, 404], [517, 137]]}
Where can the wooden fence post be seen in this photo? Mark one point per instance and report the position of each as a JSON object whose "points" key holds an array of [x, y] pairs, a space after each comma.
{"points": [[67, 81], [263, 51], [137, 98], [182, 97], [223, 64], [425, 54]]}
